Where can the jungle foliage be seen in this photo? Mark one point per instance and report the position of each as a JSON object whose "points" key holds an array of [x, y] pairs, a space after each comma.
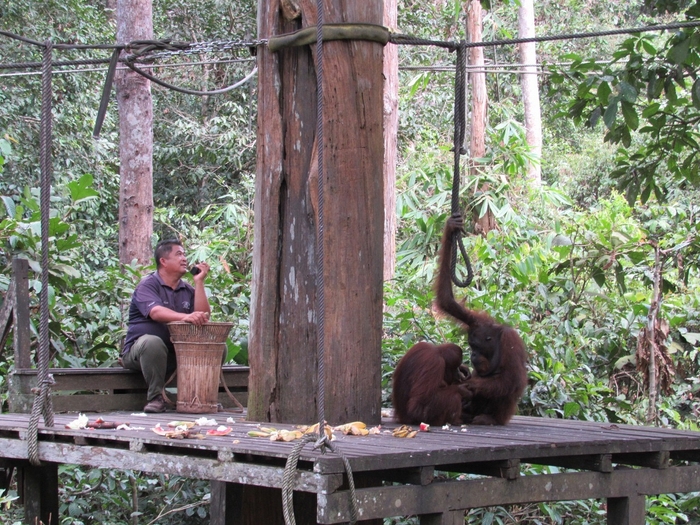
{"points": [[570, 266]]}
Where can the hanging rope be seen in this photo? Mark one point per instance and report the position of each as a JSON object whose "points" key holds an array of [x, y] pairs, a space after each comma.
{"points": [[322, 441], [42, 403], [460, 124]]}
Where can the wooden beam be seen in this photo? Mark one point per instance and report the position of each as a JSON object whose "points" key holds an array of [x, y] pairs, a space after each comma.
{"points": [[660, 459], [434, 498], [6, 314], [506, 469], [189, 466], [595, 462], [20, 270]]}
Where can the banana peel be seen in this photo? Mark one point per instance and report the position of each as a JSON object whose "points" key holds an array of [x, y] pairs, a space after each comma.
{"points": [[404, 431], [286, 435], [356, 428]]}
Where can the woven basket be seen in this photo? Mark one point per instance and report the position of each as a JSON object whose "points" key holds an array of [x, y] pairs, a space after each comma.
{"points": [[198, 373], [181, 332]]}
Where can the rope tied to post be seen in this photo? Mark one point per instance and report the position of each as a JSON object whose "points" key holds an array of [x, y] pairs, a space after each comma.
{"points": [[42, 402]]}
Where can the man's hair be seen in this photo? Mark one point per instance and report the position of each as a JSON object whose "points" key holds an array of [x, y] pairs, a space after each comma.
{"points": [[163, 249]]}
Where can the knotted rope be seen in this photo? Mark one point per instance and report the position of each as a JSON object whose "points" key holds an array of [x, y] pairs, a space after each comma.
{"points": [[42, 403], [460, 126]]}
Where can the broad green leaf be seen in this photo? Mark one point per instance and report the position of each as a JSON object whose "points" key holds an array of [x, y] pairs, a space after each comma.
{"points": [[630, 115], [628, 92], [695, 94], [610, 114], [10, 206], [651, 109], [604, 92], [679, 52], [81, 189]]}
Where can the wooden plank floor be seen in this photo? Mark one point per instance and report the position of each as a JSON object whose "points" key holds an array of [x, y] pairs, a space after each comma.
{"points": [[611, 461], [534, 439]]}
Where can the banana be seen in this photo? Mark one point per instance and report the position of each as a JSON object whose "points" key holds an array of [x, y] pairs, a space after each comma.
{"points": [[258, 433], [404, 431], [355, 428]]}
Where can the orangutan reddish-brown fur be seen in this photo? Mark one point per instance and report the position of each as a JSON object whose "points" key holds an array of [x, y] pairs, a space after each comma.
{"points": [[428, 385], [498, 355]]}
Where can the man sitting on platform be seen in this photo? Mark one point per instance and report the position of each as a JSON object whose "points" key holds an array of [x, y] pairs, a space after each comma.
{"points": [[160, 298]]}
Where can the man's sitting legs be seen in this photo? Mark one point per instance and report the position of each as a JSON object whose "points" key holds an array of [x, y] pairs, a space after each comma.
{"points": [[149, 355]]}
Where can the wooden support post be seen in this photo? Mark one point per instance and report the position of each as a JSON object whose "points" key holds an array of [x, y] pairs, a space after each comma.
{"points": [[453, 517], [238, 504], [629, 510], [40, 489], [225, 502], [21, 313]]}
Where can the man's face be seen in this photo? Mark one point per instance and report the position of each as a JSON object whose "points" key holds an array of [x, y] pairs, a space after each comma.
{"points": [[175, 261]]}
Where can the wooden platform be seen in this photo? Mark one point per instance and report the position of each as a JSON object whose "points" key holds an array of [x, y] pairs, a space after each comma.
{"points": [[618, 462]]}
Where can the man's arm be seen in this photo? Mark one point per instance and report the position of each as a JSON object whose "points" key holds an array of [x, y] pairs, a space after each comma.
{"points": [[162, 314], [201, 301]]}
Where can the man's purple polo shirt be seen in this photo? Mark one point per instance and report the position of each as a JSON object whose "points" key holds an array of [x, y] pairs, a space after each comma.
{"points": [[150, 292]]}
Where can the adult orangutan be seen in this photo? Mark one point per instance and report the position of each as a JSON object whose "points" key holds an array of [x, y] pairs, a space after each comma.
{"points": [[498, 355], [428, 385]]}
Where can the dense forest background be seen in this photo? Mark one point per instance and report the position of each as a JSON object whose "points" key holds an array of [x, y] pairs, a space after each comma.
{"points": [[576, 265]]}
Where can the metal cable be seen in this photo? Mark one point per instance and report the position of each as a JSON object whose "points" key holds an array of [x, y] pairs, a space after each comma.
{"points": [[460, 126], [42, 403], [191, 91]]}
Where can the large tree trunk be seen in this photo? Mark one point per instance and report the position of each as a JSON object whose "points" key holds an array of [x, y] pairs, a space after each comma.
{"points": [[135, 22], [284, 309], [477, 148], [391, 124], [530, 88]]}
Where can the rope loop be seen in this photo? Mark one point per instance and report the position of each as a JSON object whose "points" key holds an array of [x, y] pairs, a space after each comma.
{"points": [[460, 131], [320, 441]]}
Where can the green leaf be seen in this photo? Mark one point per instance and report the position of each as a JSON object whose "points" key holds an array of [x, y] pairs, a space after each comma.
{"points": [[648, 47], [651, 110], [9, 206], [630, 115], [695, 94], [571, 409], [81, 189], [628, 92], [610, 114], [679, 52], [604, 92]]}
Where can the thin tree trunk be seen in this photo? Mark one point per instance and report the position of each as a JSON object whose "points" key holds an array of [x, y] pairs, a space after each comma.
{"points": [[135, 22], [477, 141], [530, 88], [652, 322], [284, 309], [391, 124]]}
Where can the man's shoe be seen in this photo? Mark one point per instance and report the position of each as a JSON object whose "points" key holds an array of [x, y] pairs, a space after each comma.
{"points": [[155, 405]]}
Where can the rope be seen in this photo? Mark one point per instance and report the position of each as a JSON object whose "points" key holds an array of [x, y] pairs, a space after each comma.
{"points": [[56, 63], [42, 403], [291, 467], [459, 150], [320, 262], [321, 439], [401, 39], [369, 32]]}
